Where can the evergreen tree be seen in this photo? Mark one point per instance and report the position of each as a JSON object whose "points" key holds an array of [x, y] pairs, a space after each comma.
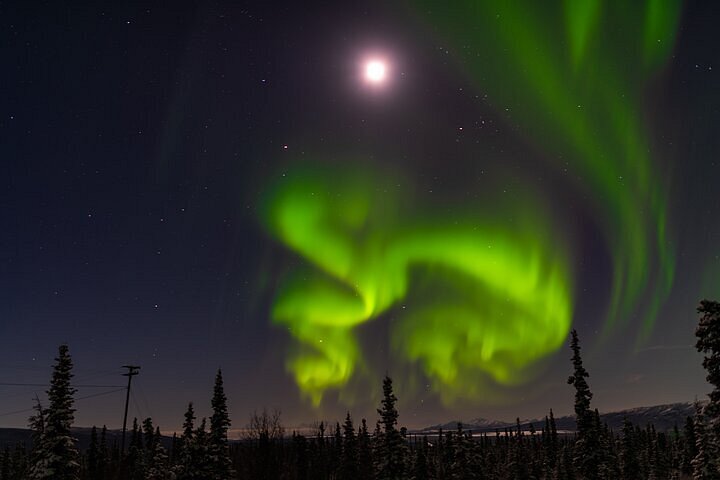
{"points": [[321, 468], [550, 443], [421, 468], [203, 468], [64, 457], [349, 461], [300, 449], [517, 461], [708, 335], [377, 445], [185, 468], [564, 470], [40, 454], [462, 456], [609, 464], [365, 457], [103, 455], [157, 463], [174, 449], [115, 462], [194, 462], [390, 456], [660, 462], [135, 461], [148, 433], [689, 446], [93, 456], [586, 447], [220, 464], [20, 461], [6, 470], [336, 456], [704, 466], [628, 452]]}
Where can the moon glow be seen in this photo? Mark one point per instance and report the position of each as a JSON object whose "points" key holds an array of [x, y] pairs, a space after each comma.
{"points": [[375, 71]]}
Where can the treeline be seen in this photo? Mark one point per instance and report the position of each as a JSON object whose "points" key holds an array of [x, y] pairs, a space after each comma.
{"points": [[351, 451]]}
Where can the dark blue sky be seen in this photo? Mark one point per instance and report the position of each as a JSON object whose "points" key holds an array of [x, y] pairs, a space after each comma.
{"points": [[135, 140]]}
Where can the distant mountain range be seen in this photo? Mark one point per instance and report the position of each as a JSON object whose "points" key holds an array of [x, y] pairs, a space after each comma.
{"points": [[14, 436], [664, 417]]}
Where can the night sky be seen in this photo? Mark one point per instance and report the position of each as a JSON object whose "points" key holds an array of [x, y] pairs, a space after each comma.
{"points": [[187, 186]]}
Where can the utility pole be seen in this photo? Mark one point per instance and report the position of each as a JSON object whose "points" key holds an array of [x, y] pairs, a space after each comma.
{"points": [[132, 371]]}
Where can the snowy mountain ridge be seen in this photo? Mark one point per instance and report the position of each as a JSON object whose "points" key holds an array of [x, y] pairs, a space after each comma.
{"points": [[663, 417]]}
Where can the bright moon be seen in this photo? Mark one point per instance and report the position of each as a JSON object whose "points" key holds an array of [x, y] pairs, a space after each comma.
{"points": [[375, 71]]}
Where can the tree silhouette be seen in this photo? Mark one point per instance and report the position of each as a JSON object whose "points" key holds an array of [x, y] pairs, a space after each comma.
{"points": [[390, 455], [64, 460], [586, 447], [220, 464], [708, 343]]}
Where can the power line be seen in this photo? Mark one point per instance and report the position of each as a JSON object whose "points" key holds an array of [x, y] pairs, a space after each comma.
{"points": [[145, 401], [79, 398], [5, 384], [138, 408]]}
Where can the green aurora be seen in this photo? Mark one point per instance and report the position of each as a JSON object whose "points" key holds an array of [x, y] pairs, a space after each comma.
{"points": [[508, 306], [573, 74], [499, 297]]}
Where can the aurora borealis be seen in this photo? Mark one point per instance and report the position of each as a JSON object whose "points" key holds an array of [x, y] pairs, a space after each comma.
{"points": [[514, 303], [577, 90], [575, 73], [203, 184]]}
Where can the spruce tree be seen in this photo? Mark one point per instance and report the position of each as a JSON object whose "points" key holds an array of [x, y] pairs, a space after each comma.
{"points": [[93, 456], [64, 460], [20, 461], [322, 468], [517, 458], [185, 467], [349, 460], [336, 455], [708, 343], [550, 443], [220, 463], [704, 464], [6, 470], [40, 455], [586, 447], [689, 446], [628, 452], [421, 469], [202, 452], [463, 461], [390, 456], [148, 433], [365, 457], [157, 463], [300, 449], [104, 455], [135, 461]]}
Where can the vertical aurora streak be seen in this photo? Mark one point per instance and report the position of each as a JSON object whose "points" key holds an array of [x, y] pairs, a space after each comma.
{"points": [[573, 73]]}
